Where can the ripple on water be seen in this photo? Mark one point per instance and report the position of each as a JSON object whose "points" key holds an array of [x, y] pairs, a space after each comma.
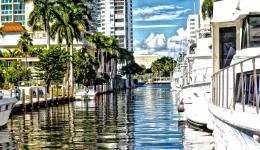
{"points": [[143, 119]]}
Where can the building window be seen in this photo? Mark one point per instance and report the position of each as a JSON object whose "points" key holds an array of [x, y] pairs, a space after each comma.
{"points": [[18, 9], [6, 9], [6, 1], [17, 1], [6, 18], [20, 19]]}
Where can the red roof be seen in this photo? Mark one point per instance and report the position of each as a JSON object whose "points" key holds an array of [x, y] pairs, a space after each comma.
{"points": [[13, 27]]}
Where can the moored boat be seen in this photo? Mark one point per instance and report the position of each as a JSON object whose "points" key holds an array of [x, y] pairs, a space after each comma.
{"points": [[6, 105], [235, 83], [194, 82], [91, 94]]}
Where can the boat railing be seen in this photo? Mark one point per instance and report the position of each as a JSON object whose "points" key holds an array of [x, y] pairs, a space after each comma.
{"points": [[197, 76], [236, 87]]}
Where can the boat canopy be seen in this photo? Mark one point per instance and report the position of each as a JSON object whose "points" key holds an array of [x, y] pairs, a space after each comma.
{"points": [[226, 11]]}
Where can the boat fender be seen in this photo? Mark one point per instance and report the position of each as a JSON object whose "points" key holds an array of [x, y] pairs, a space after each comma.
{"points": [[181, 107]]}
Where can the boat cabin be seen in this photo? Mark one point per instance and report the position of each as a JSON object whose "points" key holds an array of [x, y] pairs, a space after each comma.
{"points": [[236, 46]]}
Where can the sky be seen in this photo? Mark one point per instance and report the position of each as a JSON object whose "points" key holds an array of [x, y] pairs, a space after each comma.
{"points": [[160, 25]]}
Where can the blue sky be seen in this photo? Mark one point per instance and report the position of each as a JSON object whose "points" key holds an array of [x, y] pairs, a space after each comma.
{"points": [[158, 24]]}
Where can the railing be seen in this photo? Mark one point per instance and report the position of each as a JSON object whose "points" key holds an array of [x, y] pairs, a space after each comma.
{"points": [[161, 79], [238, 84], [197, 76]]}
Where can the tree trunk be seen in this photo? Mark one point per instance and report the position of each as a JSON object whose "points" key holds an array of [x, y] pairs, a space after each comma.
{"points": [[66, 77], [71, 68], [48, 81], [48, 35]]}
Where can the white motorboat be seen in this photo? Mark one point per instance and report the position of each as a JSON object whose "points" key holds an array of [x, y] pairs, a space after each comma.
{"points": [[6, 105], [236, 80], [81, 94], [91, 93], [194, 82]]}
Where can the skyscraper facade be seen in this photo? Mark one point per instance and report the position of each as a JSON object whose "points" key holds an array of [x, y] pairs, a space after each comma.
{"points": [[192, 27], [12, 11], [115, 19]]}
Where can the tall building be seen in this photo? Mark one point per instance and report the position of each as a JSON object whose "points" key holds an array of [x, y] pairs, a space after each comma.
{"points": [[115, 19], [12, 11], [192, 27]]}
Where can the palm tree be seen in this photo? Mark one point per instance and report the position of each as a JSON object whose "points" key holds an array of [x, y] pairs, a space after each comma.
{"points": [[1, 33], [207, 9], [99, 40], [74, 21], [24, 43], [44, 11]]}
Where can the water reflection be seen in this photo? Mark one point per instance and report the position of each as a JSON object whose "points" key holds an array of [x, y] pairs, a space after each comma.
{"points": [[6, 141], [145, 118], [89, 124]]}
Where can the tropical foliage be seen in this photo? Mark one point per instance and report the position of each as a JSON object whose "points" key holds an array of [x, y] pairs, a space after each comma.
{"points": [[133, 68], [16, 72], [67, 21], [53, 64], [43, 13], [24, 42], [84, 71], [163, 66], [12, 53], [207, 9]]}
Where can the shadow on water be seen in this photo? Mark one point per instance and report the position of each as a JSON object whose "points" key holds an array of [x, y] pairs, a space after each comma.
{"points": [[143, 118]]}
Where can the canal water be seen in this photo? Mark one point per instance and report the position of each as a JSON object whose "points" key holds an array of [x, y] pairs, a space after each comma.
{"points": [[145, 118]]}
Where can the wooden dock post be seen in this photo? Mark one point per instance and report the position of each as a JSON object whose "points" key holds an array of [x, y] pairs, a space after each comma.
{"points": [[31, 97], [45, 96], [38, 96], [63, 93], [57, 94], [23, 96], [68, 96], [52, 96]]}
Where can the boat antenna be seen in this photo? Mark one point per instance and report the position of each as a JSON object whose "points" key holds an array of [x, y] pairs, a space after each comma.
{"points": [[238, 5]]}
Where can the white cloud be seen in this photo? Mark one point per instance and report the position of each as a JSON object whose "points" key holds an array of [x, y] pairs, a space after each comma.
{"points": [[157, 43], [154, 26], [179, 12], [176, 41], [152, 10], [157, 13], [158, 17]]}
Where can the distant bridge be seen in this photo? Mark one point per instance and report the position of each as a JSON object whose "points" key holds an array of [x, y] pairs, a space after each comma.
{"points": [[160, 80]]}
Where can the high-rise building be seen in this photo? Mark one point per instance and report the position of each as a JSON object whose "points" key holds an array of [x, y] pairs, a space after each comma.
{"points": [[115, 19], [192, 27], [12, 11]]}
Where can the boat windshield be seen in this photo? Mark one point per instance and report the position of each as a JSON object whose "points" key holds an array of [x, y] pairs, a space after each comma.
{"points": [[251, 32]]}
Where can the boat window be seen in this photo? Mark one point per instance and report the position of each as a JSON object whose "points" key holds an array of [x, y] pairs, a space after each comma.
{"points": [[248, 92], [227, 45], [244, 43], [254, 31], [6, 107]]}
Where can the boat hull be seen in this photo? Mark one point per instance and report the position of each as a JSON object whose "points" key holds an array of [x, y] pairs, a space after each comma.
{"points": [[234, 130], [195, 98]]}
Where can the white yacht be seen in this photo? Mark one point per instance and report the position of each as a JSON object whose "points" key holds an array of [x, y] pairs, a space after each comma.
{"points": [[235, 82], [194, 81], [197, 81], [6, 105]]}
